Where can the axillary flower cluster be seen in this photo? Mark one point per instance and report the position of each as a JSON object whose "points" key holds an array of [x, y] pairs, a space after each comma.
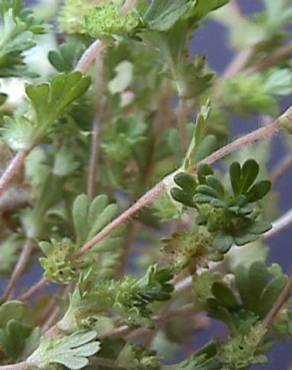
{"points": [[99, 19]]}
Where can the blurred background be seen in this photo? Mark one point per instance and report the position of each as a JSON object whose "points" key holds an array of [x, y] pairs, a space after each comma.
{"points": [[212, 41]]}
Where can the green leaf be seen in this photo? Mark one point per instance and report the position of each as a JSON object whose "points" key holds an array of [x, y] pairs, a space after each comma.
{"points": [[206, 147], [163, 14], [213, 182], [235, 174], [224, 295], [66, 58], [185, 181], [180, 196], [13, 338], [11, 310], [270, 294], [71, 351], [50, 101], [259, 191], [249, 173], [91, 217], [223, 243], [202, 7], [18, 29]]}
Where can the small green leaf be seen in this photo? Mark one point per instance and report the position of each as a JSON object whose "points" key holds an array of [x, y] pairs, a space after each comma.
{"points": [[51, 100], [186, 182], [270, 294], [223, 243], [180, 196], [249, 173], [213, 182], [206, 147], [259, 191], [79, 213], [224, 295], [235, 174], [163, 14]]}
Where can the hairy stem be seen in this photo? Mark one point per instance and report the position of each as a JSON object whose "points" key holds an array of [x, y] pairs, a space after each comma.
{"points": [[271, 60], [19, 366], [19, 269], [280, 302], [283, 166], [90, 55], [128, 7], [36, 288], [12, 170], [95, 143], [182, 122], [259, 134]]}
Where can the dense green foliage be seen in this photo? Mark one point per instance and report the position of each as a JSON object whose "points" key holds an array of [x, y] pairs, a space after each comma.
{"points": [[90, 135]]}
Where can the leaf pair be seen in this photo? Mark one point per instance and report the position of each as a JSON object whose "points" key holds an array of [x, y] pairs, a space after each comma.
{"points": [[242, 180]]}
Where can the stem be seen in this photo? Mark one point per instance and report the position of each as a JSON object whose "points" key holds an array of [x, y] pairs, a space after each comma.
{"points": [[281, 168], [90, 55], [144, 201], [36, 288], [261, 133], [280, 302], [238, 63], [128, 7], [182, 122], [13, 169], [95, 144], [19, 366], [19, 269], [282, 223], [273, 59]]}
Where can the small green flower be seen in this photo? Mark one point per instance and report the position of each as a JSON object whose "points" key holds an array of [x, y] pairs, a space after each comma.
{"points": [[57, 264], [107, 21]]}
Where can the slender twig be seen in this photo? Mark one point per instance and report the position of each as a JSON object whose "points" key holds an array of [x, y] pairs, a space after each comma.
{"points": [[20, 366], [238, 63], [19, 269], [259, 134], [281, 224], [281, 168], [36, 288], [104, 362], [90, 55], [95, 143], [128, 7], [271, 60], [182, 122], [12, 170], [235, 6], [280, 302]]}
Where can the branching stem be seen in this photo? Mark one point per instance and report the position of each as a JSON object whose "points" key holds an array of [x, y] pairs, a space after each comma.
{"points": [[280, 302], [12, 170], [19, 269]]}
